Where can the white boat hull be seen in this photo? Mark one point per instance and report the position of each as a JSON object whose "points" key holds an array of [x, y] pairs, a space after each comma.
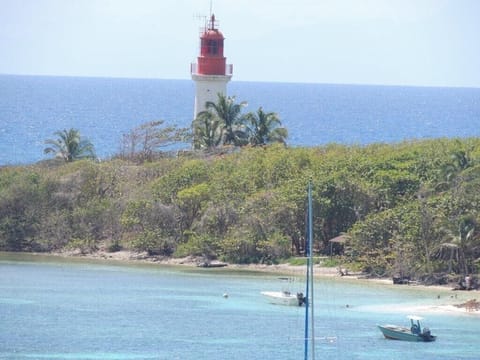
{"points": [[282, 298]]}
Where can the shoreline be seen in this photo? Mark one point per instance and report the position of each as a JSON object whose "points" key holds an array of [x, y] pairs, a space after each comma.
{"points": [[449, 301]]}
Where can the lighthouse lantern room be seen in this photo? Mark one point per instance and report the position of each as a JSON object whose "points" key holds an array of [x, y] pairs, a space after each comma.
{"points": [[211, 73]]}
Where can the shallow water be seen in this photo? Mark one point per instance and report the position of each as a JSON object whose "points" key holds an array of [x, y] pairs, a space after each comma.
{"points": [[52, 308]]}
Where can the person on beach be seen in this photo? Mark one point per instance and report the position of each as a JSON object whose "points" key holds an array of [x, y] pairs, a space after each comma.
{"points": [[468, 282]]}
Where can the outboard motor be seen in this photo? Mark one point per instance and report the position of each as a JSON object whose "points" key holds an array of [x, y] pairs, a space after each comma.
{"points": [[426, 335], [301, 299], [426, 332]]}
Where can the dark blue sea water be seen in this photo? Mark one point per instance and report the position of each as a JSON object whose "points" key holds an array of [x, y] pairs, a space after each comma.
{"points": [[56, 309], [32, 108]]}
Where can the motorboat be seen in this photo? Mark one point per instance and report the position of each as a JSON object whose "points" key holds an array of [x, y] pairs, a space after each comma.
{"points": [[414, 333]]}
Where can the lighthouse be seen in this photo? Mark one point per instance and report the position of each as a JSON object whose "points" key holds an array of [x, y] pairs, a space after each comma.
{"points": [[211, 73]]}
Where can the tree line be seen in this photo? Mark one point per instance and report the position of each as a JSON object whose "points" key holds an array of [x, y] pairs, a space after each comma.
{"points": [[221, 124], [410, 208]]}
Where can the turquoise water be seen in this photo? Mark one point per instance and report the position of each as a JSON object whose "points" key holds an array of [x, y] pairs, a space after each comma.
{"points": [[56, 309]]}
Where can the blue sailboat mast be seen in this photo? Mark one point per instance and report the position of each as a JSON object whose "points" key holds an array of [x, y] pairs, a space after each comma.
{"points": [[309, 286]]}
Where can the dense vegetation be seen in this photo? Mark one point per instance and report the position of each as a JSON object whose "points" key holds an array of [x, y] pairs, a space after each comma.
{"points": [[410, 208]]}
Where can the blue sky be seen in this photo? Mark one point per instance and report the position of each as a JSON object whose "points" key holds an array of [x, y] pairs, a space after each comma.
{"points": [[392, 42]]}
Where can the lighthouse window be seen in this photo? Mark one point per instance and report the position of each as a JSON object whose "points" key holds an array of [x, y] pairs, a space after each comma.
{"points": [[212, 47]]}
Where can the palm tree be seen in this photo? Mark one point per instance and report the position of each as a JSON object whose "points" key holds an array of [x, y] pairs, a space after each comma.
{"points": [[456, 248], [69, 146], [460, 161], [232, 122], [265, 128], [207, 131]]}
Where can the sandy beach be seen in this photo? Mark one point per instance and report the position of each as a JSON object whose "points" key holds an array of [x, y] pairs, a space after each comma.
{"points": [[446, 301]]}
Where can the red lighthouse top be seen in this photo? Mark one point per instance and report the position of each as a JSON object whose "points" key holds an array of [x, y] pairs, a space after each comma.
{"points": [[211, 60]]}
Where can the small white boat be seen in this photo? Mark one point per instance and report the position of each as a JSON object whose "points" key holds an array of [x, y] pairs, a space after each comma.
{"points": [[287, 298], [284, 298]]}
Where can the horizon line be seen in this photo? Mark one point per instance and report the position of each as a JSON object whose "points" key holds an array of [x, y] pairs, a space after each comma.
{"points": [[246, 81]]}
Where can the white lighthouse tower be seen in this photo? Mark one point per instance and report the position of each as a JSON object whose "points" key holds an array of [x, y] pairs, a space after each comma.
{"points": [[211, 73]]}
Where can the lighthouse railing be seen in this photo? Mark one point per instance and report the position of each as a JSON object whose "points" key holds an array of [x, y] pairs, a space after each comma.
{"points": [[193, 68], [228, 69]]}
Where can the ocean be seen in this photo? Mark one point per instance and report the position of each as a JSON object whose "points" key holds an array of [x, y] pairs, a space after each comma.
{"points": [[54, 308], [32, 108]]}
